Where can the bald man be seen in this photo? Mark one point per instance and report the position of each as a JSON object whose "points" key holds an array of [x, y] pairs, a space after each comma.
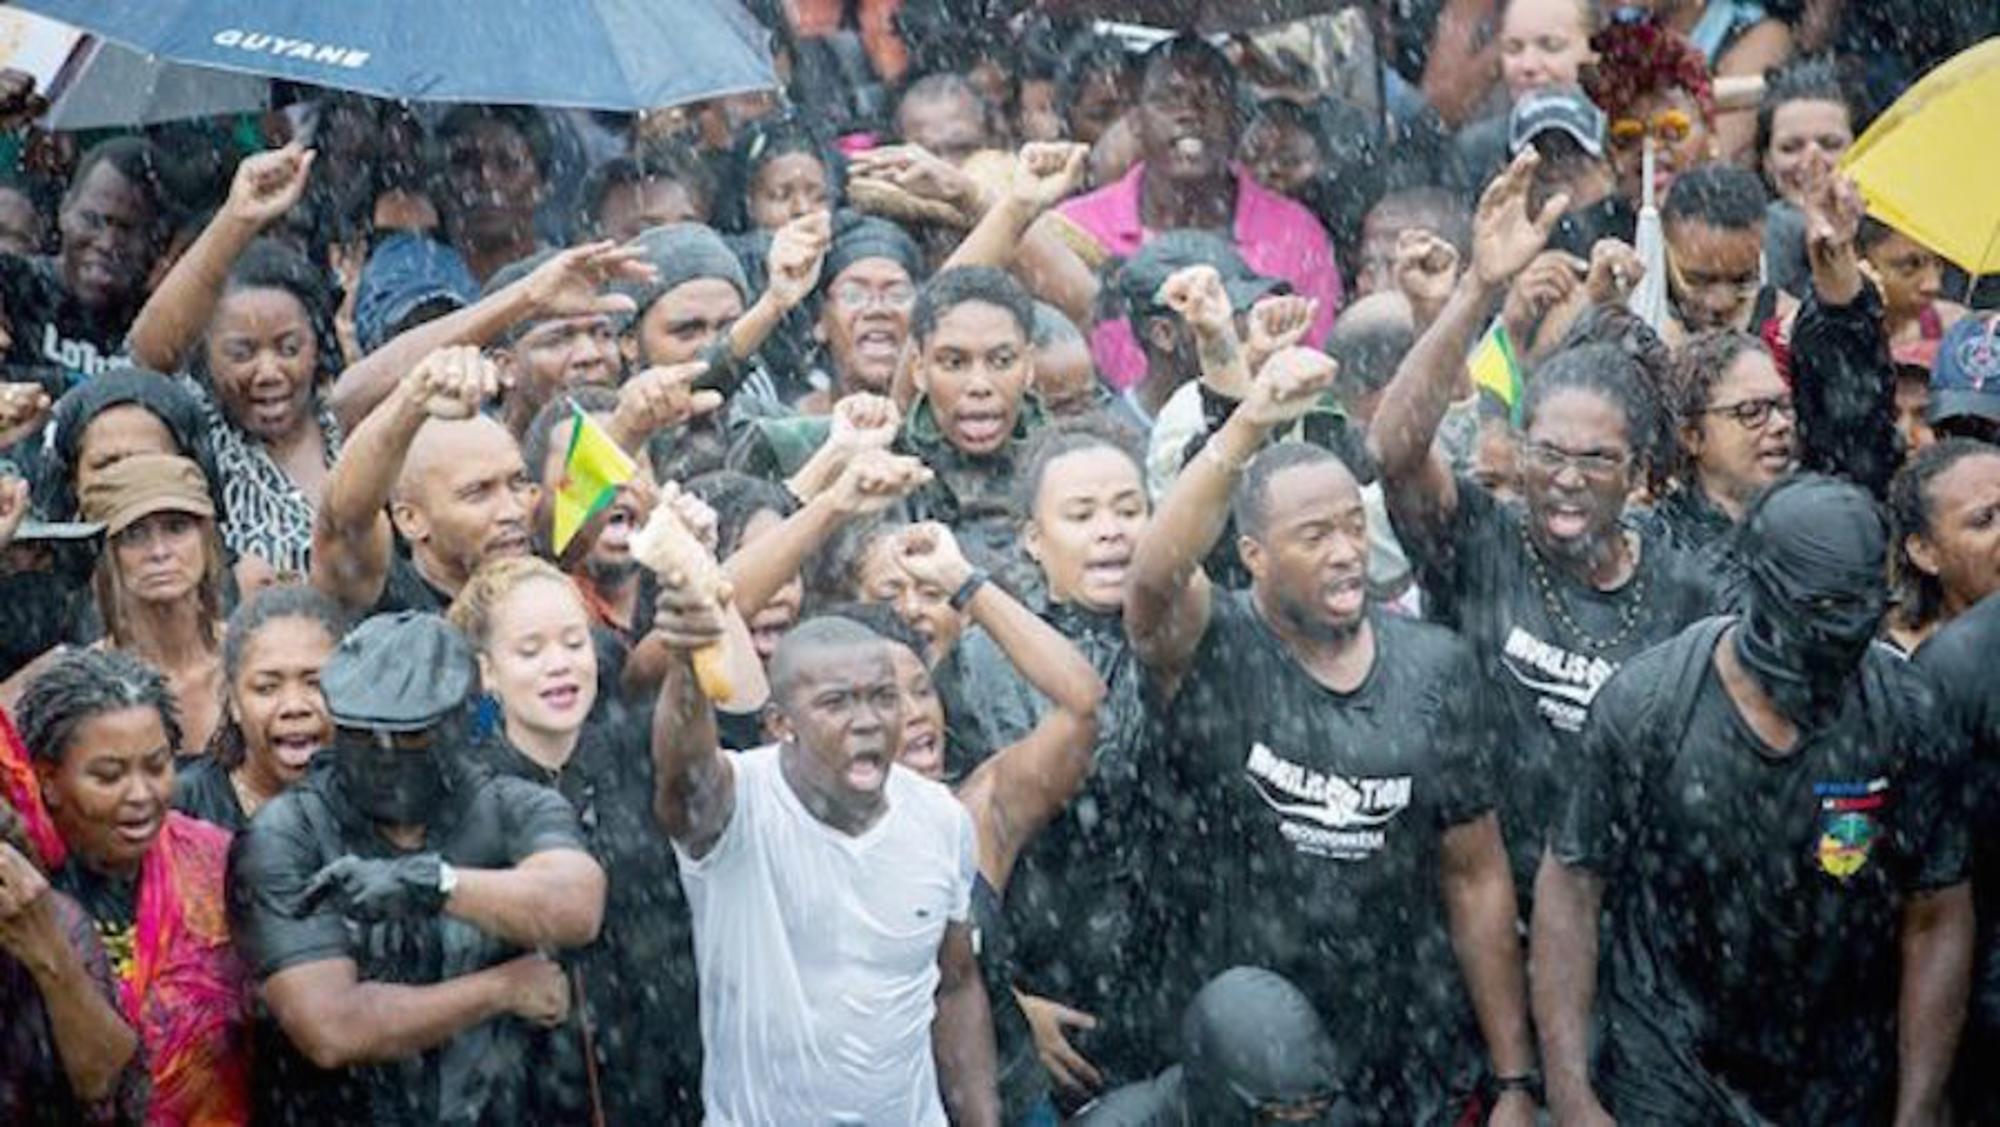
{"points": [[450, 481]]}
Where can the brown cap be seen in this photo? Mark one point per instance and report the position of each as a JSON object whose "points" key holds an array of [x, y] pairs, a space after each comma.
{"points": [[143, 484]]}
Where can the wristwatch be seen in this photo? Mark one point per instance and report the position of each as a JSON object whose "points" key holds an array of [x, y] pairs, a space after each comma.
{"points": [[447, 880], [973, 582], [1529, 1082]]}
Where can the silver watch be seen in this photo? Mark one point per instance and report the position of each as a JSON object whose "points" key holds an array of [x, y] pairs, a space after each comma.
{"points": [[447, 879]]}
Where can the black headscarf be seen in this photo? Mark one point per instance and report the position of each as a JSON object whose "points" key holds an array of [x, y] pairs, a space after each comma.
{"points": [[55, 490], [1251, 1040], [1814, 550]]}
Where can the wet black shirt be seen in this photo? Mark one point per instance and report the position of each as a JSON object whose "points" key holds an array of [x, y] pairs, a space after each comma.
{"points": [[639, 976], [1081, 898], [202, 790], [51, 327], [1754, 899], [405, 588], [1959, 659], [485, 823], [1546, 641], [1308, 836]]}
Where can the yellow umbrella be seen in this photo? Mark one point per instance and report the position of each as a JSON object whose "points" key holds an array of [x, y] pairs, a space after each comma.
{"points": [[1927, 166]]}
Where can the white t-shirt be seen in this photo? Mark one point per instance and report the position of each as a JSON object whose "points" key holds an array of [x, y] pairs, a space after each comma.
{"points": [[817, 953]]}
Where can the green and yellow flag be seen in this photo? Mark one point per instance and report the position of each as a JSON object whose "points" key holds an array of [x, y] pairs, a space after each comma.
{"points": [[1496, 370], [593, 469]]}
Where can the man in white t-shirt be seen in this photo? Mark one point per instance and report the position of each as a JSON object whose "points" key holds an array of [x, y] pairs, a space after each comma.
{"points": [[830, 892]]}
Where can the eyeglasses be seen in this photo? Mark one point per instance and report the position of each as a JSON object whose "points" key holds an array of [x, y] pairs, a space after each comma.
{"points": [[1755, 414], [1668, 126], [853, 296], [1589, 463]]}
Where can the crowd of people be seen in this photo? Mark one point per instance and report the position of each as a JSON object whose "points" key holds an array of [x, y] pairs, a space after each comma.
{"points": [[1153, 583]]}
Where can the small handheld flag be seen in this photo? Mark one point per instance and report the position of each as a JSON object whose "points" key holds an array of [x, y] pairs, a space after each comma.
{"points": [[1496, 370], [593, 469]]}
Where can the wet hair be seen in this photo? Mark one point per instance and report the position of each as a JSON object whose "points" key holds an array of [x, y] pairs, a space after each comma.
{"points": [[472, 611], [1053, 327], [820, 632], [107, 584], [833, 574], [1872, 233], [525, 120], [275, 604], [272, 265], [959, 285], [590, 399], [1195, 53], [937, 87], [1810, 79], [1054, 442], [1723, 196], [1638, 58], [660, 160], [1920, 596], [1437, 209], [83, 684], [1248, 505], [1650, 381], [760, 143], [1604, 371], [881, 619], [1702, 363], [736, 498], [1087, 56], [139, 162], [158, 395]]}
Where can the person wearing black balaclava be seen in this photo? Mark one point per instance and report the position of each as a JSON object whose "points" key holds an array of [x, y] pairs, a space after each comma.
{"points": [[392, 906], [1253, 1050], [1768, 808]]}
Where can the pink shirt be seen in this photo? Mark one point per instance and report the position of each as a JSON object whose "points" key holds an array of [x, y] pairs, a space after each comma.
{"points": [[1276, 237]]}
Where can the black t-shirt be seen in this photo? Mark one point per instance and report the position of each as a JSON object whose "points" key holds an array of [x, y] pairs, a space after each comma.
{"points": [[1754, 899], [1959, 658], [52, 329], [639, 983], [486, 822], [405, 588], [1547, 642], [202, 790], [1308, 835]]}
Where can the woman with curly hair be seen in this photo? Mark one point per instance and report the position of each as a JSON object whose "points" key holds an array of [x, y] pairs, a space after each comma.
{"points": [[1652, 83]]}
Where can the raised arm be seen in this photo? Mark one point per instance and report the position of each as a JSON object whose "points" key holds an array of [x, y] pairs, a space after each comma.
{"points": [[568, 284], [694, 793], [872, 481], [1045, 173], [351, 536], [339, 1021], [1167, 597], [1506, 237], [1842, 376], [798, 251], [267, 185], [1018, 790]]}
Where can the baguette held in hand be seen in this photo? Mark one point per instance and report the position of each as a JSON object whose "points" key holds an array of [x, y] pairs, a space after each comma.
{"points": [[670, 549]]}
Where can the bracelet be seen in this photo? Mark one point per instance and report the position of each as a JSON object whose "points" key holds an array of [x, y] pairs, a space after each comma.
{"points": [[1529, 1082], [969, 588]]}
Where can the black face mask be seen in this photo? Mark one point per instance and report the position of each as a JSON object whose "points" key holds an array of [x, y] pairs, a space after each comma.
{"points": [[395, 786], [1814, 555]]}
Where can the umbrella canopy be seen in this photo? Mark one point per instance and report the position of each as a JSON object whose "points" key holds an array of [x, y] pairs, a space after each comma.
{"points": [[1927, 166], [592, 54], [92, 84]]}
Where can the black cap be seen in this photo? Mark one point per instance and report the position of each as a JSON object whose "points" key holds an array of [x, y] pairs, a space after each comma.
{"points": [[1561, 108], [1167, 254], [1965, 380], [397, 673]]}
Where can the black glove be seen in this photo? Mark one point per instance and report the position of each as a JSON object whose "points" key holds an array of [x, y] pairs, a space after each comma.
{"points": [[373, 891]]}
